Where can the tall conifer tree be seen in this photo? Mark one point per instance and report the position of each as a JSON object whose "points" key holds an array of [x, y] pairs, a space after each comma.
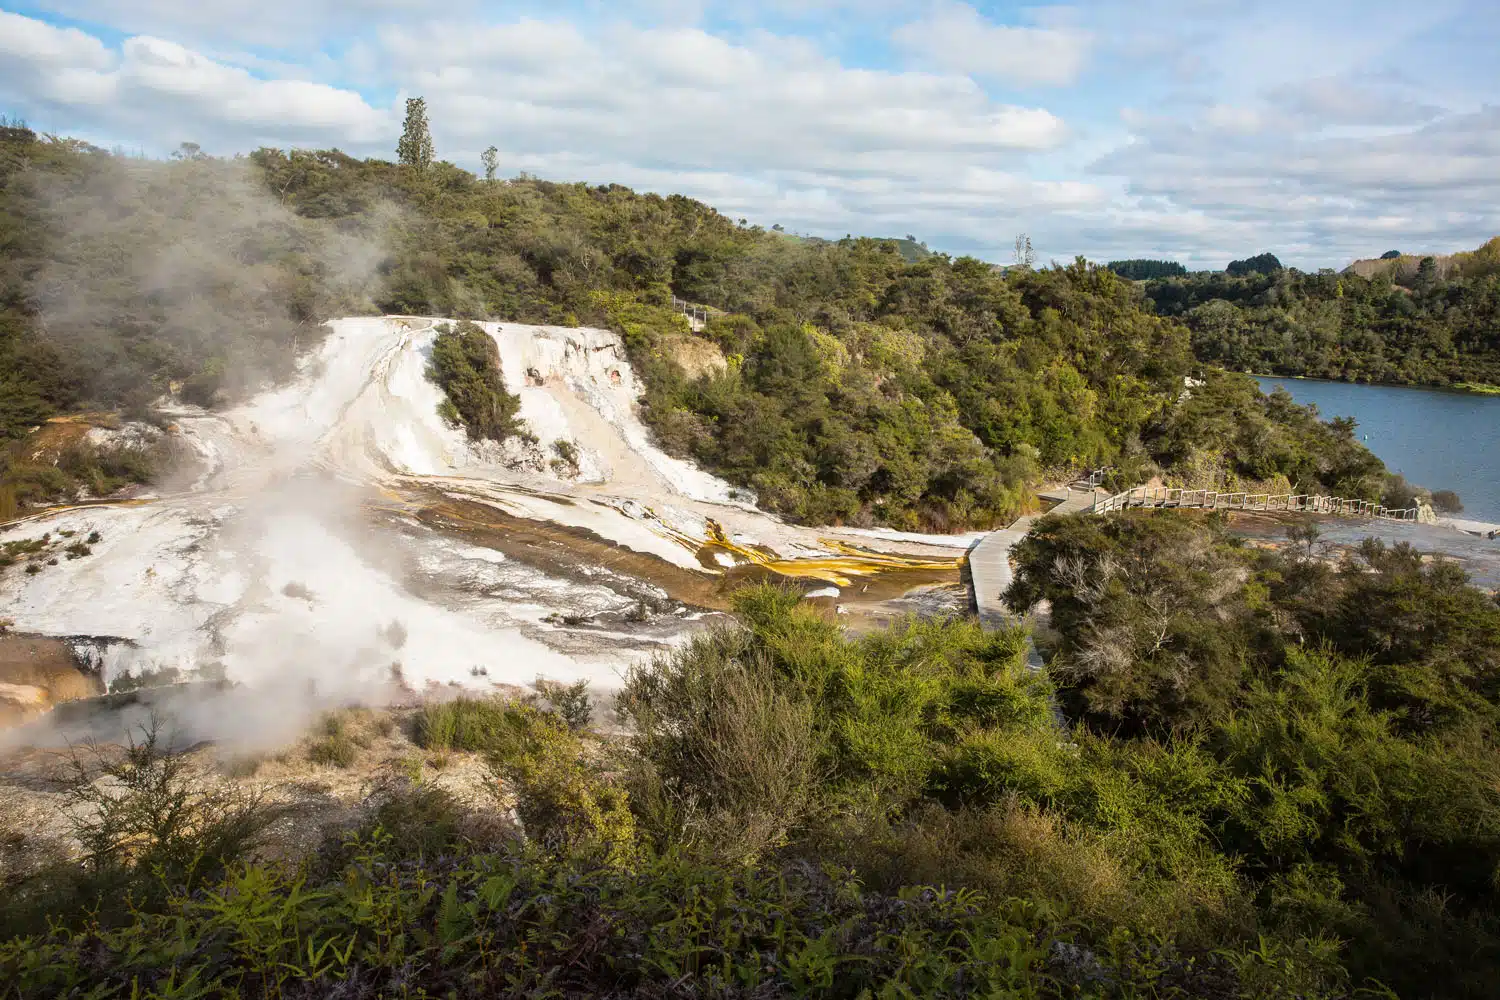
{"points": [[415, 147]]}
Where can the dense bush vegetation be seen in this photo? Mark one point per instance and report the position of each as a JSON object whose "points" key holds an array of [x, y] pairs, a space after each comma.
{"points": [[466, 366], [521, 924], [1225, 430], [1268, 777], [1346, 714], [856, 384], [1426, 330], [1144, 270]]}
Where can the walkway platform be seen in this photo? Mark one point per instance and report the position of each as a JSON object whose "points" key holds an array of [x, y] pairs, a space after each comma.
{"points": [[989, 558]]}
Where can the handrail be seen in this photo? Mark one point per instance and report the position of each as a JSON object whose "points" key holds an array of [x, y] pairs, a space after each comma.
{"points": [[699, 313], [1175, 497]]}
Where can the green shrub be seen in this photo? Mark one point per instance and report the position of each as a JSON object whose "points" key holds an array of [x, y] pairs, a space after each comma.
{"points": [[566, 462], [334, 751], [1018, 849], [562, 799], [725, 757], [466, 365], [147, 824], [410, 820], [14, 551], [1151, 612], [1446, 502], [470, 724], [571, 701], [336, 745]]}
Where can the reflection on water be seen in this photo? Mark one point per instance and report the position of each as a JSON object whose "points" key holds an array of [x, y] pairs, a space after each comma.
{"points": [[1480, 557]]}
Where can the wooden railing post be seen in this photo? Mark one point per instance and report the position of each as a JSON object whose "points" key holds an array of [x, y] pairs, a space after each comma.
{"points": [[1313, 503]]}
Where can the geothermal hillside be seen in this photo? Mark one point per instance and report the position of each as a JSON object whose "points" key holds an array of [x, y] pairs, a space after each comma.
{"points": [[336, 535]]}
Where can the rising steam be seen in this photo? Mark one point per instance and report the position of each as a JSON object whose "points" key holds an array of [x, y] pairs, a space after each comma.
{"points": [[189, 272]]}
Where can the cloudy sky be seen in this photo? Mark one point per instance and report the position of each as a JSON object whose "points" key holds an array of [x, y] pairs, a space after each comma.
{"points": [[1200, 130]]}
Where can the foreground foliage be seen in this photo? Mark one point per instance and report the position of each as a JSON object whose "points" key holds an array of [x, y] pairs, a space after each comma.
{"points": [[1348, 709], [907, 813], [516, 924]]}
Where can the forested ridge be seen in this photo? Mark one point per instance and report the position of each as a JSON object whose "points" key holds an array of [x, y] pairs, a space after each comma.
{"points": [[857, 386], [1412, 326]]}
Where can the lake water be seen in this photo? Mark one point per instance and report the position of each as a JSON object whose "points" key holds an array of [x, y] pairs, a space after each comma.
{"points": [[1440, 440]]}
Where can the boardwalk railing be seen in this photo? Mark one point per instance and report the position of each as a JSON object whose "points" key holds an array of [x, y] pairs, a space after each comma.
{"points": [[698, 314], [1093, 479], [1165, 496]]}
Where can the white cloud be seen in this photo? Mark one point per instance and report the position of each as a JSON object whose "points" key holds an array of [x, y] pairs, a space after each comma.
{"points": [[24, 39], [768, 129], [1317, 196], [687, 99], [158, 91], [765, 127], [285, 24], [954, 36], [1214, 129], [1353, 100]]}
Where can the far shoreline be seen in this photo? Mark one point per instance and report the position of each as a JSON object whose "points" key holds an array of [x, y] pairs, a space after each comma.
{"points": [[1457, 388]]}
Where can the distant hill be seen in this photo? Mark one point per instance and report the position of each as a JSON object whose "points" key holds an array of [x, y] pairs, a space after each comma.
{"points": [[1141, 269], [1263, 263], [1402, 268], [912, 249]]}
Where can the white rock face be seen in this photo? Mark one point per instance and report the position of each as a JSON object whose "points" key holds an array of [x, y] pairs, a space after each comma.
{"points": [[258, 561], [263, 561]]}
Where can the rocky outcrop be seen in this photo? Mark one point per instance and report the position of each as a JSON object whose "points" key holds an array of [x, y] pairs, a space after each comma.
{"points": [[37, 673]]}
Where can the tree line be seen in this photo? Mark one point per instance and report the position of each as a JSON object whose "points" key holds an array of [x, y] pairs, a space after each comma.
{"points": [[856, 385], [1145, 270], [1400, 327]]}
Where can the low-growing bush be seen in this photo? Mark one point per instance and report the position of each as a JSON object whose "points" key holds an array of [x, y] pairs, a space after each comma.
{"points": [[566, 462], [1446, 502], [738, 776], [410, 821], [562, 798], [470, 724], [521, 925], [337, 745], [571, 701], [147, 825]]}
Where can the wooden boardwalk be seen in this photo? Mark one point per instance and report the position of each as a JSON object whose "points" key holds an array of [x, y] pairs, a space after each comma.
{"points": [[989, 558], [697, 316], [1173, 498]]}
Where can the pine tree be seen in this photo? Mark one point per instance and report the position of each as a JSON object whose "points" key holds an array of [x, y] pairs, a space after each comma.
{"points": [[415, 147], [491, 160], [1426, 273]]}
